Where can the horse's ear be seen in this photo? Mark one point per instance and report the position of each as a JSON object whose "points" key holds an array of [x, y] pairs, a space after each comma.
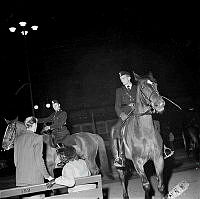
{"points": [[16, 119], [136, 76], [7, 121]]}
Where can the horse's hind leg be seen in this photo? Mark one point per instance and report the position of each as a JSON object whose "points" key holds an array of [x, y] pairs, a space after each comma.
{"points": [[94, 169], [91, 161], [195, 140], [124, 182]]}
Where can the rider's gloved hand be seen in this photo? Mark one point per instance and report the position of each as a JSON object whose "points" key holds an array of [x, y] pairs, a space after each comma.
{"points": [[50, 178], [123, 116], [46, 128]]}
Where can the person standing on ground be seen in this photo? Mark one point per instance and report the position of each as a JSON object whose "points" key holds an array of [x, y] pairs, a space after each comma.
{"points": [[28, 158]]}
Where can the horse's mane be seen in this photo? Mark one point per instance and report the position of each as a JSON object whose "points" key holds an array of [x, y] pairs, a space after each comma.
{"points": [[136, 122], [14, 129], [140, 101]]}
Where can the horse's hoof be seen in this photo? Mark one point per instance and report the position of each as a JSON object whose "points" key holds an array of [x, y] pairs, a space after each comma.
{"points": [[111, 176], [125, 197], [161, 189]]}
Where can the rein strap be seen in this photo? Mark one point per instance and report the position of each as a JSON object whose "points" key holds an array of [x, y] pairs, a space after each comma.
{"points": [[131, 113]]}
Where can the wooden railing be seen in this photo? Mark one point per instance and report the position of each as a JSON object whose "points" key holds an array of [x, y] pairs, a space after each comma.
{"points": [[95, 192]]}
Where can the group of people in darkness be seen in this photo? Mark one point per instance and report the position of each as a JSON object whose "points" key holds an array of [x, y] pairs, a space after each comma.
{"points": [[28, 147]]}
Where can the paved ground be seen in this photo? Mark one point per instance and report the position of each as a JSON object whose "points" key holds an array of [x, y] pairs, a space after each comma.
{"points": [[177, 169], [192, 176]]}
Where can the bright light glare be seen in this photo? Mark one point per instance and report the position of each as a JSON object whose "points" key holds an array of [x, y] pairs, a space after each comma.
{"points": [[34, 27], [36, 107], [24, 32], [48, 105], [22, 23], [12, 29]]}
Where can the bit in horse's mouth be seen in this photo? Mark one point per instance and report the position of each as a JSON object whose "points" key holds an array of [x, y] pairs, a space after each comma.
{"points": [[161, 110]]}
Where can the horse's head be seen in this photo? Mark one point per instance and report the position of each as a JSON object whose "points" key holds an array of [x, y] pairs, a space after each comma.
{"points": [[13, 129], [148, 95]]}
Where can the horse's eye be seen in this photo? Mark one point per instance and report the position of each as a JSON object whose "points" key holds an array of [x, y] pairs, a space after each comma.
{"points": [[149, 82]]}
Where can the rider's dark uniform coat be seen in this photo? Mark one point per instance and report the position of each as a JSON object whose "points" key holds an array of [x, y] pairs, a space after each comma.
{"points": [[57, 122], [124, 97], [123, 101]]}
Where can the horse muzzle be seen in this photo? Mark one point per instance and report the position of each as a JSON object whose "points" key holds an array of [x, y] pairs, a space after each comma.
{"points": [[159, 105], [5, 147]]}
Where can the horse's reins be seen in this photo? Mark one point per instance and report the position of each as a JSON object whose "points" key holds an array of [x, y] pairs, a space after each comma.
{"points": [[172, 102], [147, 112], [131, 113]]}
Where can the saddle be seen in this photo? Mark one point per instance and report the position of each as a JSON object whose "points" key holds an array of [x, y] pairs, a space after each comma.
{"points": [[63, 137]]}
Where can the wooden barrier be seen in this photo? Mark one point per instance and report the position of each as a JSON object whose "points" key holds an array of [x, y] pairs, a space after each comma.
{"points": [[95, 192]]}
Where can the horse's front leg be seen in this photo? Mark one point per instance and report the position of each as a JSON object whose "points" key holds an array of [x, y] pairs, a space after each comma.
{"points": [[51, 159], [139, 167], [159, 166], [124, 182]]}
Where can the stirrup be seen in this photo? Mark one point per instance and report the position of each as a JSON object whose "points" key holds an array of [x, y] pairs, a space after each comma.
{"points": [[170, 154]]}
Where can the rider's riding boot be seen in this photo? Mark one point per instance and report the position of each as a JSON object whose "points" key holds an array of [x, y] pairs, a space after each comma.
{"points": [[118, 153], [167, 152], [79, 152]]}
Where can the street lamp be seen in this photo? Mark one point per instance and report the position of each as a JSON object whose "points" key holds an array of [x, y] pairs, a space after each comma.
{"points": [[24, 30]]}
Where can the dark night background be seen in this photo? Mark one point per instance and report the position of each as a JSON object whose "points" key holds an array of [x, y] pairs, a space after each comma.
{"points": [[79, 48]]}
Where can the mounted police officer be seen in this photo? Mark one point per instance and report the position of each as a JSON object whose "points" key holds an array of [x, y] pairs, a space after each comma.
{"points": [[124, 105]]}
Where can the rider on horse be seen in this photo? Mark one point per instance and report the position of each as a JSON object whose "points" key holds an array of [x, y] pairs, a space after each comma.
{"points": [[57, 126], [56, 122], [124, 106]]}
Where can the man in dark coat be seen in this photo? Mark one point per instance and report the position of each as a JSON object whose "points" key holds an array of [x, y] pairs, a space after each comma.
{"points": [[28, 158], [124, 105]]}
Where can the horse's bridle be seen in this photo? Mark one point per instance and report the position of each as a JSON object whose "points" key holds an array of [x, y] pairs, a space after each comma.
{"points": [[148, 98], [150, 104], [11, 137]]}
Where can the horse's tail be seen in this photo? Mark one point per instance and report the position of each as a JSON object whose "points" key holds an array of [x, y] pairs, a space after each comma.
{"points": [[104, 164]]}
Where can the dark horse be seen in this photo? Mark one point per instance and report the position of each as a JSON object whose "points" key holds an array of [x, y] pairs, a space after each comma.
{"points": [[90, 144], [141, 141], [191, 138]]}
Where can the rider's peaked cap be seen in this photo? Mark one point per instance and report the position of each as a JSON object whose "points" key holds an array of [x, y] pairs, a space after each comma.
{"points": [[55, 101], [121, 73]]}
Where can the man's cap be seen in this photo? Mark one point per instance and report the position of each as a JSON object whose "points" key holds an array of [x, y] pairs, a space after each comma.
{"points": [[54, 101], [121, 73]]}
